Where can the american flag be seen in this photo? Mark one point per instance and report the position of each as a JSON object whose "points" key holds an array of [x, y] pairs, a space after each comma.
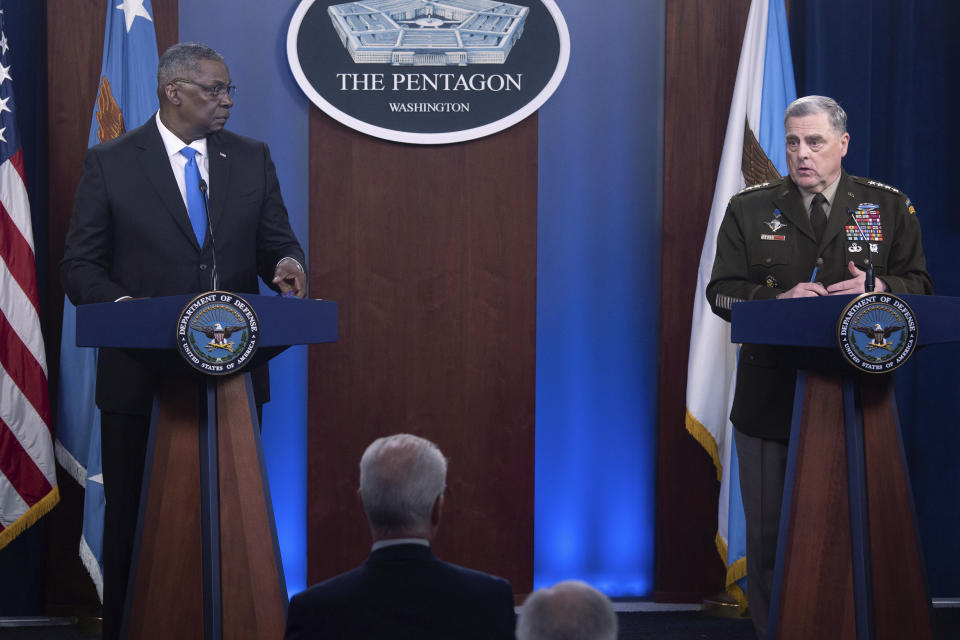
{"points": [[28, 483]]}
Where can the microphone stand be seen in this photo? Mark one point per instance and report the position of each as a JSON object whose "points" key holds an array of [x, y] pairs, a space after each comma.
{"points": [[870, 283], [214, 275]]}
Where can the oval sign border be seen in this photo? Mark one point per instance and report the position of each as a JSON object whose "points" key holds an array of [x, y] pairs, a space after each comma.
{"points": [[428, 138]]}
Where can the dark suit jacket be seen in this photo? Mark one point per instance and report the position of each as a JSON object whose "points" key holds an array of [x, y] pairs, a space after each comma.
{"points": [[404, 591], [130, 235], [757, 261]]}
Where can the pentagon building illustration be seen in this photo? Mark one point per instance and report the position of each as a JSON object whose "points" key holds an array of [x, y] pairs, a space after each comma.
{"points": [[428, 33]]}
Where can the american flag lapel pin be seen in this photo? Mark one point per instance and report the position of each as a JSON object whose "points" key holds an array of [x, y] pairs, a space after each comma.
{"points": [[223, 155]]}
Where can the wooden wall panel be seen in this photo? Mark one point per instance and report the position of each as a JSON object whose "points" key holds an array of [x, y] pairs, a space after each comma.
{"points": [[74, 55], [431, 254], [703, 42]]}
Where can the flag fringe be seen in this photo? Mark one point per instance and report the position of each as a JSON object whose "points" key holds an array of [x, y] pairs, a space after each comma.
{"points": [[736, 571], [70, 464], [738, 595], [700, 433], [31, 516], [90, 563]]}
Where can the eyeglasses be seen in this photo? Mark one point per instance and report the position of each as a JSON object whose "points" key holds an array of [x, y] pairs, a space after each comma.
{"points": [[216, 91]]}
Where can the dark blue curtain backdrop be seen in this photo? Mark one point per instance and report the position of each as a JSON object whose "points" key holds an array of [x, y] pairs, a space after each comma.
{"points": [[892, 66], [25, 27]]}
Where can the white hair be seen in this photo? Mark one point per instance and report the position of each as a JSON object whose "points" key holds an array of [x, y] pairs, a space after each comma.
{"points": [[401, 476], [570, 610]]}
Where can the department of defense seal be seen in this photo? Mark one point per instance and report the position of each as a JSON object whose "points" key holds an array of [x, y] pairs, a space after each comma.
{"points": [[877, 332], [218, 333]]}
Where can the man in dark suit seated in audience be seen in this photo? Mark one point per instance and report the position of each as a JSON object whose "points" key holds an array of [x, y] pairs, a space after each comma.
{"points": [[569, 610], [403, 590]]}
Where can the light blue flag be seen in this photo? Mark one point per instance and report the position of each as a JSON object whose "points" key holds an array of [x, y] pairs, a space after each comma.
{"points": [[126, 98], [763, 89], [779, 90]]}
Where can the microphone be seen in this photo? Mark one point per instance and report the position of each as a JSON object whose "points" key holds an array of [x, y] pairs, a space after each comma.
{"points": [[870, 283], [214, 275]]}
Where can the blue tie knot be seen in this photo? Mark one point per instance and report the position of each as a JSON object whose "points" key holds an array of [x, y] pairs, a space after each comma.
{"points": [[190, 153]]}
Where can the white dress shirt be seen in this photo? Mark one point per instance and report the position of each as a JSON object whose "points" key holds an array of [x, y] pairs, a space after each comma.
{"points": [[178, 162]]}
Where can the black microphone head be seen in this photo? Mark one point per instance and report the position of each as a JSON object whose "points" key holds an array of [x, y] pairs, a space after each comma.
{"points": [[203, 186]]}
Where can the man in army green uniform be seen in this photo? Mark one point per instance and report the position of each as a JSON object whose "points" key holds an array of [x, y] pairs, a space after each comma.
{"points": [[809, 234]]}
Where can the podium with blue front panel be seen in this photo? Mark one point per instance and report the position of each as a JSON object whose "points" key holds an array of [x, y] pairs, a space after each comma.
{"points": [[849, 559], [206, 563]]}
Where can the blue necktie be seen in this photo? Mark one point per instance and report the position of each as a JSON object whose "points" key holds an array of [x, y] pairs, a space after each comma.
{"points": [[195, 204]]}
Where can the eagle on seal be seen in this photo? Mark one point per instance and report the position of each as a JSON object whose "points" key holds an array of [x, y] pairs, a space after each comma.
{"points": [[218, 334], [878, 334]]}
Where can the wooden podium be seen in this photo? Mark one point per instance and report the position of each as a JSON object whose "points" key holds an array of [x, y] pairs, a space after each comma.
{"points": [[206, 562], [849, 562]]}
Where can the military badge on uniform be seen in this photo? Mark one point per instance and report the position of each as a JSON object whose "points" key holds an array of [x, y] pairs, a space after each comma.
{"points": [[867, 216], [771, 282], [854, 248], [910, 208], [218, 333], [874, 247], [877, 332], [767, 236], [775, 224]]}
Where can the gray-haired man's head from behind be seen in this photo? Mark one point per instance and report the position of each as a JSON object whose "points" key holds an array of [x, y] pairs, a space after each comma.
{"points": [[401, 478], [569, 610]]}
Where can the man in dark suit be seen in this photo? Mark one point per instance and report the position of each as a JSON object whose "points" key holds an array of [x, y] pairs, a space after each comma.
{"points": [[140, 228], [403, 590], [808, 234]]}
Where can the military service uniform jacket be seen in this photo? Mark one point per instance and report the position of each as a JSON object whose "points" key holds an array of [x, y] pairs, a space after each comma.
{"points": [[766, 245]]}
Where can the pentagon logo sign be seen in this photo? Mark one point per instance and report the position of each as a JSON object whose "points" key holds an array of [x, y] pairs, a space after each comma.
{"points": [[218, 333], [428, 71], [877, 332]]}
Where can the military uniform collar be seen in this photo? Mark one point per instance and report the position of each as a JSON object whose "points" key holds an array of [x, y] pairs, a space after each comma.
{"points": [[789, 200], [829, 193]]}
